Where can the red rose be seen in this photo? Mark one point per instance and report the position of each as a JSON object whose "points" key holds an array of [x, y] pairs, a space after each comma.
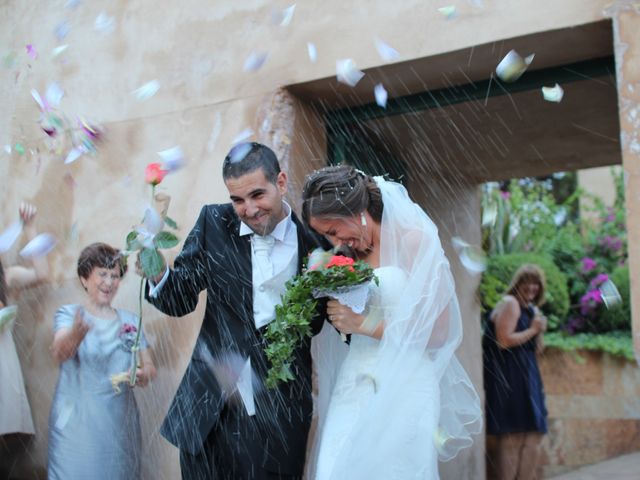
{"points": [[340, 261], [154, 174]]}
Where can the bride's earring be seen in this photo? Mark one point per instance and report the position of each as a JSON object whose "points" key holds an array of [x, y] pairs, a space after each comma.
{"points": [[363, 220]]}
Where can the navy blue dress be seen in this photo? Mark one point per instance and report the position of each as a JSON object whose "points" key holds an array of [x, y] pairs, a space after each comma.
{"points": [[512, 382]]}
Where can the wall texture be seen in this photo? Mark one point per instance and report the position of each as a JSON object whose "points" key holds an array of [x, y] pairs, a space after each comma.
{"points": [[196, 51]]}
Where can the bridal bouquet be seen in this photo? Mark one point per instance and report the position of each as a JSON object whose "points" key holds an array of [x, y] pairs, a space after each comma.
{"points": [[327, 275]]}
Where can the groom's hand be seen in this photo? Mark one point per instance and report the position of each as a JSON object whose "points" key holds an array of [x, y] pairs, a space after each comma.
{"points": [[158, 277]]}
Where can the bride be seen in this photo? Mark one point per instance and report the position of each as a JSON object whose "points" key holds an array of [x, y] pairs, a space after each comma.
{"points": [[395, 400]]}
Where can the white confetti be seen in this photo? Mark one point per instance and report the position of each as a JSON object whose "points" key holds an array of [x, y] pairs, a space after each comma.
{"points": [[381, 95], [553, 94], [147, 90], [243, 136], [239, 151], [287, 15], [346, 72], [62, 30], [36, 96], [7, 148], [254, 61], [449, 12], [610, 294], [472, 258], [104, 23], [39, 246], [10, 235], [152, 222], [54, 94], [173, 158], [245, 387], [513, 66], [386, 52], [75, 153], [58, 50], [215, 133], [312, 51]]}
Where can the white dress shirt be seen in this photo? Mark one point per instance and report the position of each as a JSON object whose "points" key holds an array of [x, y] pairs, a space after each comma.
{"points": [[271, 272]]}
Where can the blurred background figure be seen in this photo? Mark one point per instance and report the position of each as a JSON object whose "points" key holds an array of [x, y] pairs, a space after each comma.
{"points": [[16, 424], [94, 430], [515, 405]]}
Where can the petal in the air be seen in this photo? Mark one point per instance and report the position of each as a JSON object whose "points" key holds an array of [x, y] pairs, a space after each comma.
{"points": [[39, 246], [347, 73]]}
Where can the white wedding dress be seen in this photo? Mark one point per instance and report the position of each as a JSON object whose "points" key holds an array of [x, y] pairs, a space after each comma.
{"points": [[415, 415], [390, 409]]}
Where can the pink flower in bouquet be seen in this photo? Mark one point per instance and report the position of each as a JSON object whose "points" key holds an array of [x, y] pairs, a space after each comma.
{"points": [[340, 261], [154, 174]]}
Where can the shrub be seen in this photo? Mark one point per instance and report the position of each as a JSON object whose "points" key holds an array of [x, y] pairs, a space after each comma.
{"points": [[498, 275]]}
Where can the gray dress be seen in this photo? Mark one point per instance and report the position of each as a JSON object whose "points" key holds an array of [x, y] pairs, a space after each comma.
{"points": [[93, 431]]}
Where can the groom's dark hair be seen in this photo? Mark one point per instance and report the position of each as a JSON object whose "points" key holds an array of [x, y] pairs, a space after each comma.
{"points": [[248, 157]]}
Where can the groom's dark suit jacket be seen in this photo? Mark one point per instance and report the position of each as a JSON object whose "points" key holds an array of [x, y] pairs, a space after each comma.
{"points": [[217, 259]]}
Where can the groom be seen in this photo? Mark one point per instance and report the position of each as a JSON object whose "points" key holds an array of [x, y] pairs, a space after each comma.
{"points": [[226, 424]]}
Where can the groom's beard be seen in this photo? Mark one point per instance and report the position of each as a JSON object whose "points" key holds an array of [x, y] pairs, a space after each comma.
{"points": [[270, 222], [262, 229]]}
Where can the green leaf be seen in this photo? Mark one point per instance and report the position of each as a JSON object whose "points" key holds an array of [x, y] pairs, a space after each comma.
{"points": [[151, 261], [171, 222], [132, 241], [165, 239]]}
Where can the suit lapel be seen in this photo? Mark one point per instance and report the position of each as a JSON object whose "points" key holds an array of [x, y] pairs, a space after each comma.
{"points": [[241, 250]]}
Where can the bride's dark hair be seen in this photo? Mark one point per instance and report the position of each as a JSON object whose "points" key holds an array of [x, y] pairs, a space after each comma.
{"points": [[340, 191]]}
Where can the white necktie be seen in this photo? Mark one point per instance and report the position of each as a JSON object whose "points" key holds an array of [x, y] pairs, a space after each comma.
{"points": [[262, 247]]}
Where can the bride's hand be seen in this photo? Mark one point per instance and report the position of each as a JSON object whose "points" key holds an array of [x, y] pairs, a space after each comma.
{"points": [[343, 318]]}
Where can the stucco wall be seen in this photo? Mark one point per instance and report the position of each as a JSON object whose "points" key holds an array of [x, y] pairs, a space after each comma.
{"points": [[196, 50]]}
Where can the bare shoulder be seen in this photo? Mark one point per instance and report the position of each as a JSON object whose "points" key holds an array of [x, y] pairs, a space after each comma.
{"points": [[507, 305]]}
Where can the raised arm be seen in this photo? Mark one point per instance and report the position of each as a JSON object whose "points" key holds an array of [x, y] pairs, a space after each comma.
{"points": [[18, 277], [66, 340], [179, 293]]}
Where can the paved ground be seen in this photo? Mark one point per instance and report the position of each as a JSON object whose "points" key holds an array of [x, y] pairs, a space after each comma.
{"points": [[626, 467]]}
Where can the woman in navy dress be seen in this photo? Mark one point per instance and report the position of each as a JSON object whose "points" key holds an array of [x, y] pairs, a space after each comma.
{"points": [[515, 406]]}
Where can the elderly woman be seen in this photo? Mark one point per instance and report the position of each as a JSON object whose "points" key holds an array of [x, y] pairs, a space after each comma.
{"points": [[94, 430], [515, 406], [15, 415]]}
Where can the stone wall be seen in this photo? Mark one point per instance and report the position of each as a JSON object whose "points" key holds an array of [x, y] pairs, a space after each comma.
{"points": [[594, 409]]}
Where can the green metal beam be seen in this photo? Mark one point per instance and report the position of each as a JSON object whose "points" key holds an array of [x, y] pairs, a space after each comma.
{"points": [[336, 120]]}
